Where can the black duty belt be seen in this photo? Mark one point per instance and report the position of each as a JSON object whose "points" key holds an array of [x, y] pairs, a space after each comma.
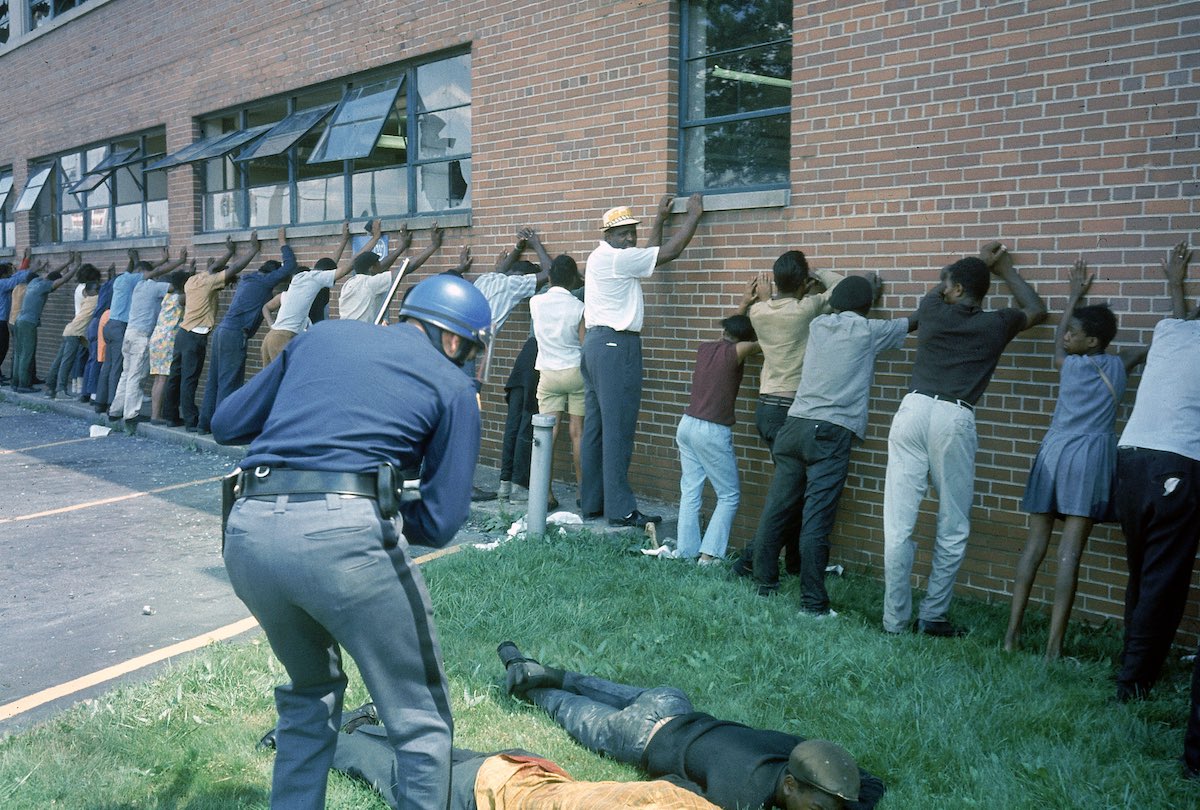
{"points": [[962, 403], [263, 481]]}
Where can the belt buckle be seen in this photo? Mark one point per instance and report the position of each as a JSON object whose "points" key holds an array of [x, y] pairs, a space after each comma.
{"points": [[262, 471]]}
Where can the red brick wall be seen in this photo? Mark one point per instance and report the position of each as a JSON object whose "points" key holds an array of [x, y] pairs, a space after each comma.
{"points": [[920, 130]]}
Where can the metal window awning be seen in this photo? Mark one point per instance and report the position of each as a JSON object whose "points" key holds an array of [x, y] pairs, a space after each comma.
{"points": [[208, 148], [284, 135], [33, 189], [104, 169], [355, 127]]}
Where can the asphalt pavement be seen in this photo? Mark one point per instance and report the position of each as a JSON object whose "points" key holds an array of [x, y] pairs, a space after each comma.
{"points": [[110, 549]]}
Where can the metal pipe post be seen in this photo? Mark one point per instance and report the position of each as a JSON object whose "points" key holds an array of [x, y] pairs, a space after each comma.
{"points": [[539, 473]]}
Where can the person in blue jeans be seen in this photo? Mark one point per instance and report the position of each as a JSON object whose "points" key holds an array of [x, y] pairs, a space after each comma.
{"points": [[705, 437], [812, 449]]}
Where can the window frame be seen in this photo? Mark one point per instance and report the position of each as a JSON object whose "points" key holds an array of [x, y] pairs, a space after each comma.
{"points": [[7, 201], [47, 212], [234, 172], [686, 123]]}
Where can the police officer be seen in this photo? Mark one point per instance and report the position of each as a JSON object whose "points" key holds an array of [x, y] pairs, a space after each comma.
{"points": [[309, 545]]}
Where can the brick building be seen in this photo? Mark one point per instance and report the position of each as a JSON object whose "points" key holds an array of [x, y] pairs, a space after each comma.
{"points": [[888, 136]]}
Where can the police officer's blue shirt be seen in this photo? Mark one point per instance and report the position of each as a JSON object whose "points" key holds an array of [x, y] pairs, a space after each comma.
{"points": [[7, 285], [122, 295], [253, 292], [345, 396], [34, 301]]}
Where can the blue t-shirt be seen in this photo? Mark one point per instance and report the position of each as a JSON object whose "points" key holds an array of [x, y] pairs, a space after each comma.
{"points": [[253, 291], [345, 396], [122, 295], [34, 301], [7, 285], [144, 305]]}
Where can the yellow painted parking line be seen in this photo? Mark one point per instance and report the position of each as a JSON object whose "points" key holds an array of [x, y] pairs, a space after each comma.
{"points": [[41, 446], [105, 501], [22, 705]]}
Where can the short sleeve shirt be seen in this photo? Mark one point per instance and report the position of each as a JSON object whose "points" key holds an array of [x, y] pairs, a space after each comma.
{"points": [[959, 345], [839, 364], [782, 328], [556, 317], [122, 295], [298, 297], [362, 296], [143, 309], [35, 300], [613, 296], [78, 326], [1166, 414], [200, 302], [503, 292]]}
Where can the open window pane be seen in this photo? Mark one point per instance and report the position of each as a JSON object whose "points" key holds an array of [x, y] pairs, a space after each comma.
{"points": [[102, 170], [33, 189], [357, 122], [227, 143], [184, 155], [284, 135], [6, 184]]}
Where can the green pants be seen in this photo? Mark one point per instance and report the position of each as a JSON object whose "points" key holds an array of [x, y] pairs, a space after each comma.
{"points": [[24, 349]]}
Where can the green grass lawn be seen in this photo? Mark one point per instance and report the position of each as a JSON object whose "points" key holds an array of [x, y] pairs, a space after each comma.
{"points": [[947, 723]]}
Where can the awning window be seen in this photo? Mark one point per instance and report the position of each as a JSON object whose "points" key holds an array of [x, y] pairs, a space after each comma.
{"points": [[357, 123], [5, 188], [284, 135], [208, 148], [104, 169], [33, 189]]}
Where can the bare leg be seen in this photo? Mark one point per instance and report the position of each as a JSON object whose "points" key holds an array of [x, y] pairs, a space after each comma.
{"points": [[1040, 527], [1070, 549], [156, 396]]}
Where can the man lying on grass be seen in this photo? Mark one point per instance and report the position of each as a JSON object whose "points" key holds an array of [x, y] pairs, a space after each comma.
{"points": [[731, 765], [695, 760]]}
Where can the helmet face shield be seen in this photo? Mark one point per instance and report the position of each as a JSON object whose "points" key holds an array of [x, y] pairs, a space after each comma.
{"points": [[453, 305]]}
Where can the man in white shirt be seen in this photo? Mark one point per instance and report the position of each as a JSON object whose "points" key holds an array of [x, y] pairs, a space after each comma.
{"points": [[366, 290], [287, 313], [612, 354]]}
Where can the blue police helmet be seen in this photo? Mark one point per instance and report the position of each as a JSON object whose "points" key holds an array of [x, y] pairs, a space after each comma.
{"points": [[453, 304]]}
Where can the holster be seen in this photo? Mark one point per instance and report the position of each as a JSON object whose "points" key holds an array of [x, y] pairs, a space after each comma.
{"points": [[387, 483], [230, 491]]}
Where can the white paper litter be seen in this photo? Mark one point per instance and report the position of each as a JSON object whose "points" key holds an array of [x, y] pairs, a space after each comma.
{"points": [[98, 431]]}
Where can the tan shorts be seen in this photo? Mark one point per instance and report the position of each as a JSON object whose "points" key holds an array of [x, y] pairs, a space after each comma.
{"points": [[560, 391]]}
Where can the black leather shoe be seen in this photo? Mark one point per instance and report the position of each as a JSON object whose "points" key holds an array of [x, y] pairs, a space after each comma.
{"points": [[267, 742], [940, 629], [635, 519], [363, 715]]}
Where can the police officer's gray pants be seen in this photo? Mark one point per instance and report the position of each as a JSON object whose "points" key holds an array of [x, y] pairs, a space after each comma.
{"points": [[327, 572]]}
